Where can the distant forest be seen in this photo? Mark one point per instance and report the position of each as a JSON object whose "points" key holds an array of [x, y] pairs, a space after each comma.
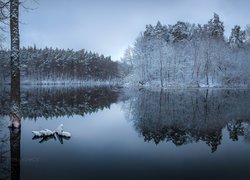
{"points": [[179, 55], [56, 65], [190, 55]]}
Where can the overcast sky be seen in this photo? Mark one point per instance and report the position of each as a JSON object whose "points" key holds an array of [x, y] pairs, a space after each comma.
{"points": [[109, 26]]}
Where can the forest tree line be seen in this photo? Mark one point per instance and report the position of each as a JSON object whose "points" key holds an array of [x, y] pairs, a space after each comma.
{"points": [[38, 65], [190, 55], [32, 65]]}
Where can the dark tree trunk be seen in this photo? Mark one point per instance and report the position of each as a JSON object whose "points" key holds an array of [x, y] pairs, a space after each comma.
{"points": [[15, 115], [14, 57], [15, 64], [15, 136]]}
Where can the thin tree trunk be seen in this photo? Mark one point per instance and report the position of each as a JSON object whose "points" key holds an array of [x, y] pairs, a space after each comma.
{"points": [[161, 69], [206, 68], [174, 76], [195, 74]]}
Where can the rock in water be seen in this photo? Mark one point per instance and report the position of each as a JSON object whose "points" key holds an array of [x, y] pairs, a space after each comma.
{"points": [[49, 132], [37, 133], [65, 134]]}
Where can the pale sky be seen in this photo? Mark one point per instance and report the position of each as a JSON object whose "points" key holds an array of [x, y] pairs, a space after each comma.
{"points": [[110, 26]]}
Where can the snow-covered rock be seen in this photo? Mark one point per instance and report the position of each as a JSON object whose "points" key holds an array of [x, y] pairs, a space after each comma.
{"points": [[48, 133], [65, 134], [37, 133]]}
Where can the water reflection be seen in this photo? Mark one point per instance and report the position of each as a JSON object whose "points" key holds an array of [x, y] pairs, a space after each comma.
{"points": [[176, 116], [44, 102], [62, 101], [10, 141], [15, 127], [186, 116], [15, 136], [4, 151]]}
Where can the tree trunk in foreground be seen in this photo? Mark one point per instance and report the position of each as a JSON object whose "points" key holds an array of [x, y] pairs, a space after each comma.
{"points": [[15, 65], [14, 57]]}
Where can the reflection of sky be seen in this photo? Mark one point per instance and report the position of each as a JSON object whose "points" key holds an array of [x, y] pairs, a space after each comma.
{"points": [[109, 26], [105, 144]]}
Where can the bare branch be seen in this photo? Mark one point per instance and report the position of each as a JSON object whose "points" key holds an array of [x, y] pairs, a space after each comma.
{"points": [[22, 4], [4, 4]]}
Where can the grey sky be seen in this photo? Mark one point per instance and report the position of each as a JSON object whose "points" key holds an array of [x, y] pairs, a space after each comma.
{"points": [[109, 26]]}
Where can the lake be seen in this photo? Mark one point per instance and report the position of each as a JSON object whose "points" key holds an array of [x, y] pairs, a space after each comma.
{"points": [[128, 134]]}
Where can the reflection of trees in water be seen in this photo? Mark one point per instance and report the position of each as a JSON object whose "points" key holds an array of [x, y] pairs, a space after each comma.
{"points": [[4, 150], [184, 116], [11, 140], [15, 136], [43, 102], [9, 152], [238, 128], [50, 102]]}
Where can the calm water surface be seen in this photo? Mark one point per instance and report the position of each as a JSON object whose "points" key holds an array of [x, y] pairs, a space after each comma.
{"points": [[129, 134]]}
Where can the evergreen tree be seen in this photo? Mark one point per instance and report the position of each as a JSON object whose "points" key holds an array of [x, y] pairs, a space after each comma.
{"points": [[215, 28], [248, 34], [179, 31], [237, 37], [189, 55], [149, 31], [53, 65]]}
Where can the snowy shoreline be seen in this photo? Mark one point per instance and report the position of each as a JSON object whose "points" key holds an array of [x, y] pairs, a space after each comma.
{"points": [[119, 84], [69, 83], [156, 85]]}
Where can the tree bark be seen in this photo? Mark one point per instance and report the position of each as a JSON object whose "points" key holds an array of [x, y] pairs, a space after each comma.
{"points": [[15, 115], [15, 43], [206, 68], [15, 65]]}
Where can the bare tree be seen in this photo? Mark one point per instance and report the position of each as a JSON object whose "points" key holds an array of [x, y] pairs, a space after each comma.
{"points": [[4, 6], [10, 9]]}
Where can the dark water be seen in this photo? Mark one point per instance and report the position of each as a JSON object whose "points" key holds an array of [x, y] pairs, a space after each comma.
{"points": [[128, 134]]}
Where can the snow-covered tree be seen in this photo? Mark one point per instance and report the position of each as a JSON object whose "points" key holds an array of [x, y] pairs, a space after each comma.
{"points": [[56, 65], [215, 27], [189, 55], [128, 56], [237, 37], [248, 34], [179, 31]]}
